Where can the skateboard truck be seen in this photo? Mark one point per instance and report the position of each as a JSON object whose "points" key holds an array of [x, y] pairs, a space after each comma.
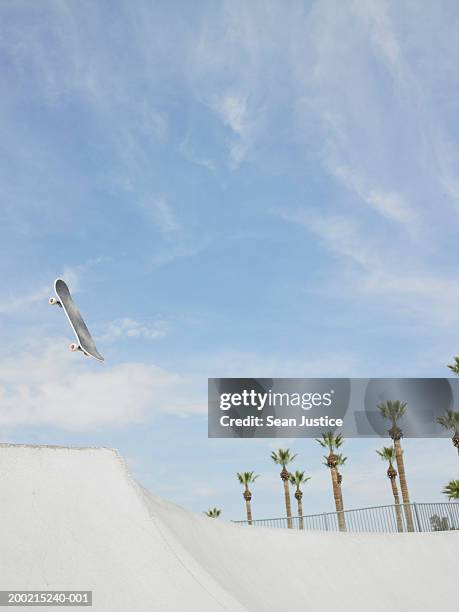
{"points": [[54, 302], [74, 347]]}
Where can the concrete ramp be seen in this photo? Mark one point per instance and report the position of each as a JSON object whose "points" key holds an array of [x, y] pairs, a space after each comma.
{"points": [[75, 519]]}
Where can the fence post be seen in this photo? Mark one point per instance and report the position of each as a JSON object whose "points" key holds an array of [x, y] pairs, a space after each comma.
{"points": [[326, 521], [452, 522], [416, 513]]}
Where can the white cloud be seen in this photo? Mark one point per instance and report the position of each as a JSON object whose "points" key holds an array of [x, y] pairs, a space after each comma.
{"points": [[178, 241], [249, 363], [340, 234], [13, 304], [71, 274], [233, 109], [236, 69], [49, 386], [74, 273], [389, 204], [129, 328], [367, 87], [162, 214], [377, 269], [188, 151], [179, 250], [376, 18]]}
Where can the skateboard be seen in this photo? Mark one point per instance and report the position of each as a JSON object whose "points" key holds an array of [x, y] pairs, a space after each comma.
{"points": [[85, 342]]}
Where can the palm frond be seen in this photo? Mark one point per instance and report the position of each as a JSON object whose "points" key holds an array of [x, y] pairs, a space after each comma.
{"points": [[213, 512], [387, 453], [282, 456], [455, 367], [330, 441], [392, 410], [450, 420], [298, 478], [452, 489], [246, 478]]}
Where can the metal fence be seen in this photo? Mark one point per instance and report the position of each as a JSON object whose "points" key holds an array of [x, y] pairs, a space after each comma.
{"points": [[442, 516]]}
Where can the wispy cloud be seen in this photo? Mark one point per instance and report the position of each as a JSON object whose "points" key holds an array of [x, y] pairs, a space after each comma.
{"points": [[236, 70], [181, 249], [71, 274], [391, 205], [193, 156], [383, 137], [232, 109], [375, 269], [48, 386], [15, 304], [129, 328], [162, 214]]}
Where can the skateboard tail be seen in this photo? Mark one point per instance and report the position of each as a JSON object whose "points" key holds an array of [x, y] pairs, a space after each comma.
{"points": [[97, 356]]}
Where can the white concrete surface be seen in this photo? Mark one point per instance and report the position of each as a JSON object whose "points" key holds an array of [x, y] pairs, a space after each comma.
{"points": [[75, 519]]}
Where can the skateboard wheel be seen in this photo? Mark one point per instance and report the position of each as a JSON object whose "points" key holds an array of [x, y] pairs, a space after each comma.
{"points": [[52, 301], [74, 347]]}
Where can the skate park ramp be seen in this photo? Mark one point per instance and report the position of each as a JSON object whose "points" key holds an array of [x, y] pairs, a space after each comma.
{"points": [[75, 519]]}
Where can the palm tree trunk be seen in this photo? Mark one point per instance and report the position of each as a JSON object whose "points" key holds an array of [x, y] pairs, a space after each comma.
{"points": [[288, 506], [340, 491], [249, 511], [455, 440], [247, 495], [300, 511], [398, 512], [403, 485], [338, 499]]}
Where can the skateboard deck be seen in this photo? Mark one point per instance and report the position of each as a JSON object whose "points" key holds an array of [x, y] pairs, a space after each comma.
{"points": [[84, 338]]}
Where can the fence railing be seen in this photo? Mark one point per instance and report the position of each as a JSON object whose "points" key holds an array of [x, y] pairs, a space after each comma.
{"points": [[442, 516]]}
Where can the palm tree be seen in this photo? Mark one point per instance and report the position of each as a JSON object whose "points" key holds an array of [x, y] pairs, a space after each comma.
{"points": [[455, 367], [393, 411], [332, 460], [452, 489], [213, 512], [387, 453], [450, 421], [283, 457], [246, 478], [297, 479]]}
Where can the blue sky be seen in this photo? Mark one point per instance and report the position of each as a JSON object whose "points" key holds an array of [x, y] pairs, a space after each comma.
{"points": [[230, 189]]}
